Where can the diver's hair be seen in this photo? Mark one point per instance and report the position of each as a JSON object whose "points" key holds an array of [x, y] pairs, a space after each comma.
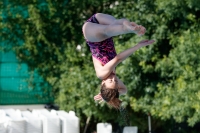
{"points": [[111, 96]]}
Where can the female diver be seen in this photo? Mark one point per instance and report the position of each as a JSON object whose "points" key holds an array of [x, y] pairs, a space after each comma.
{"points": [[98, 32]]}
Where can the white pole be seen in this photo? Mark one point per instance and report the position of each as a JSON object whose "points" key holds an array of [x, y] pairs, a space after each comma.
{"points": [[87, 123], [149, 121]]}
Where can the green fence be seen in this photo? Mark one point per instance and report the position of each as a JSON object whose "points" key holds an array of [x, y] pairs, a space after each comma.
{"points": [[18, 86]]}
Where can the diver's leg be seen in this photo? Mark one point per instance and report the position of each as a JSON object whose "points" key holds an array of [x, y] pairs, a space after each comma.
{"points": [[98, 32]]}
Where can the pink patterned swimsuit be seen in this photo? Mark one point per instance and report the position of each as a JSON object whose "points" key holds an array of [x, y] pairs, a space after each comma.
{"points": [[104, 51]]}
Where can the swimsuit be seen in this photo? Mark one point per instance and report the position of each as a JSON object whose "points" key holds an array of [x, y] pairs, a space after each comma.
{"points": [[104, 51]]}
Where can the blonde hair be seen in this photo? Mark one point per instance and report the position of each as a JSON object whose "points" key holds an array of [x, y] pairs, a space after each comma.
{"points": [[111, 96]]}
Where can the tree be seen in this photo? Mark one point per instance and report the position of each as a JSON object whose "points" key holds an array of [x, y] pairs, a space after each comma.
{"points": [[168, 72]]}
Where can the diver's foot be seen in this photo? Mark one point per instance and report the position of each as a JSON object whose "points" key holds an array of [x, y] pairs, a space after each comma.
{"points": [[132, 27]]}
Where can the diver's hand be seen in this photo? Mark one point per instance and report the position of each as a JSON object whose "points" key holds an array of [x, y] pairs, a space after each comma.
{"points": [[145, 42], [98, 98]]}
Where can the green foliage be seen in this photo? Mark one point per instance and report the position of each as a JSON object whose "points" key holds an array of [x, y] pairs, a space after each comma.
{"points": [[169, 73], [162, 79]]}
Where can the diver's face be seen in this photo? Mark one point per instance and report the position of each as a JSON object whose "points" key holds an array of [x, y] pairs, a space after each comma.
{"points": [[111, 81]]}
